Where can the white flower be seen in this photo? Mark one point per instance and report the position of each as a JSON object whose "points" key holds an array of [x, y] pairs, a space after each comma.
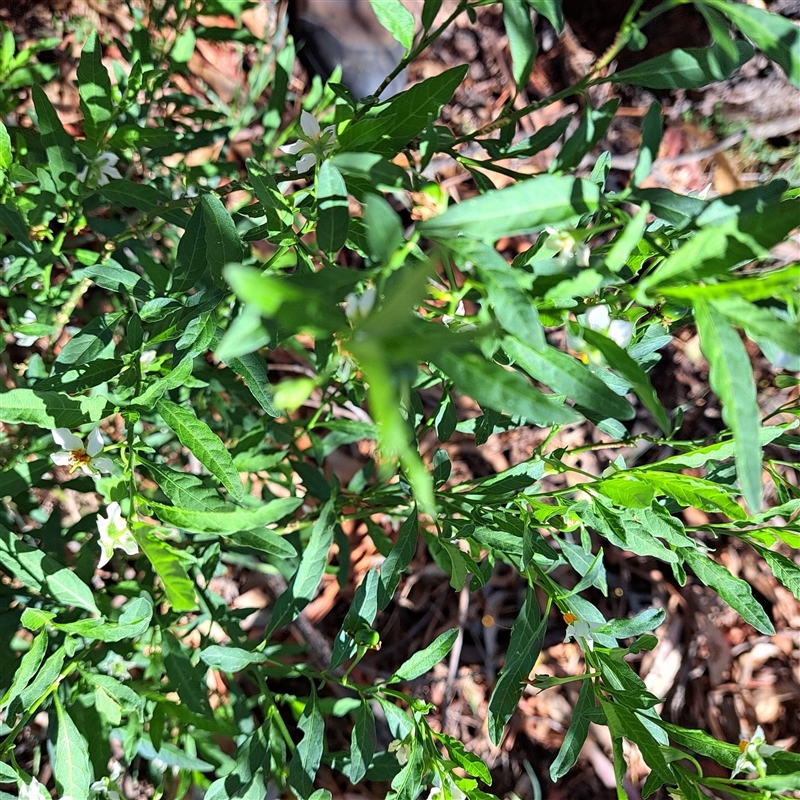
{"points": [[23, 340], [568, 247], [402, 751], [358, 307], [752, 754], [581, 631], [598, 318], [116, 666], [76, 456], [35, 791], [114, 532], [312, 144], [101, 170]]}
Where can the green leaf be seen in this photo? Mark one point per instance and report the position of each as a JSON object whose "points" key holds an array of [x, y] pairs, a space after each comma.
{"points": [[407, 784], [523, 650], [305, 582], [360, 616], [230, 659], [172, 380], [308, 754], [734, 591], [397, 561], [276, 209], [593, 125], [384, 232], [731, 378], [265, 540], [28, 666], [35, 569], [362, 742], [185, 677], [58, 144], [777, 37], [514, 309], [566, 375], [50, 410], [94, 88], [167, 564], [469, 762], [143, 197], [551, 9], [223, 244], [502, 390], [393, 125], [759, 323], [651, 140], [203, 443], [628, 241], [424, 660], [523, 207], [644, 621], [370, 172], [521, 39], [619, 360], [6, 156], [783, 568], [133, 622], [44, 682], [332, 209], [95, 340], [191, 262], [623, 722], [685, 69], [252, 370], [398, 20], [694, 492], [225, 522], [185, 490], [72, 768], [7, 774], [576, 735]]}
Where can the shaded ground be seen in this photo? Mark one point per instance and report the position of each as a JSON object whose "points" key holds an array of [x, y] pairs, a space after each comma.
{"points": [[715, 672]]}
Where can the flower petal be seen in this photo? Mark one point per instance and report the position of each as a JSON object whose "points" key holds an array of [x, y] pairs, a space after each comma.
{"points": [[94, 443], [294, 148], [63, 437], [306, 162], [104, 465], [309, 125], [62, 459]]}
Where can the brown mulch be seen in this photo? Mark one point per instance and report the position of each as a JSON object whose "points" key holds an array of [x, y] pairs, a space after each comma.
{"points": [[713, 671]]}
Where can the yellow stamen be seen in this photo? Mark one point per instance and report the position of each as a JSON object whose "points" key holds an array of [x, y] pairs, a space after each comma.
{"points": [[569, 618], [78, 458], [743, 745]]}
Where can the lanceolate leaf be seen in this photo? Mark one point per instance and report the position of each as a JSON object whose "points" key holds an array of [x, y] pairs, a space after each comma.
{"points": [[734, 591], [523, 650], [251, 369], [71, 765], [333, 214], [203, 443], [362, 742], [576, 735], [58, 144], [94, 87], [398, 560], [226, 522], [522, 208], [305, 763], [397, 19], [167, 564], [777, 37], [731, 378], [424, 660], [493, 386], [566, 375], [306, 580], [223, 245], [521, 39]]}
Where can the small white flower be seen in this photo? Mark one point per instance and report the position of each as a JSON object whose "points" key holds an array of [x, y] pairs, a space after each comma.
{"points": [[77, 456], [101, 170], [35, 791], [598, 318], [569, 247], [358, 307], [402, 751], [116, 666], [114, 533], [23, 339], [581, 631], [313, 143], [752, 754]]}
